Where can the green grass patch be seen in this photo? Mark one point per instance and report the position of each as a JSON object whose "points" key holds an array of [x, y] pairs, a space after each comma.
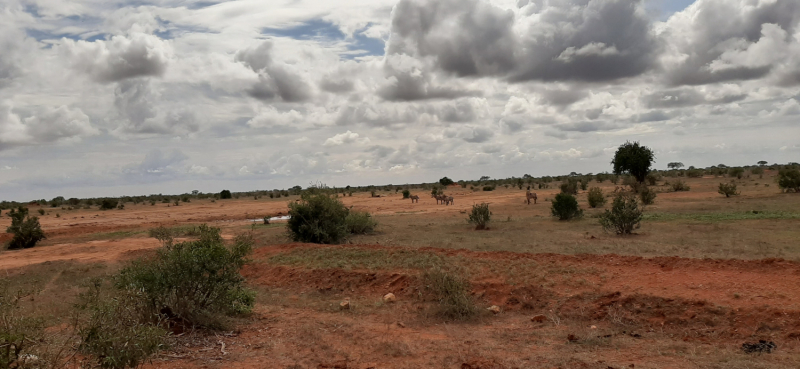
{"points": [[723, 216], [351, 258]]}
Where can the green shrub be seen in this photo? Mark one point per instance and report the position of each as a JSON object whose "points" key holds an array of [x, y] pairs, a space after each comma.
{"points": [[185, 199], [26, 229], [596, 197], [225, 194], [318, 218], [694, 173], [624, 215], [565, 207], [445, 181], [584, 184], [652, 178], [480, 215], [41, 211], [360, 222], [406, 194], [789, 180], [757, 170], [488, 188], [116, 333], [570, 186], [679, 185], [736, 172], [727, 189], [452, 294], [108, 204], [647, 195], [196, 282]]}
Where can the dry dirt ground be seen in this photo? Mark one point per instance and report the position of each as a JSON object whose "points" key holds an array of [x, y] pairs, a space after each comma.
{"points": [[703, 275]]}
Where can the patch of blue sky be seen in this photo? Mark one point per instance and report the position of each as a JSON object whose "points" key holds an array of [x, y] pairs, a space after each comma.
{"points": [[326, 32], [663, 9]]}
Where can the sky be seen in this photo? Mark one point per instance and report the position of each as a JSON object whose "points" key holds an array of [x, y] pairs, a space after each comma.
{"points": [[112, 97]]}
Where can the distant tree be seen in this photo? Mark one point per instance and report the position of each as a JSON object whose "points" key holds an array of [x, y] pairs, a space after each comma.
{"points": [[527, 176], [675, 165], [225, 194], [485, 178], [633, 159], [762, 162], [445, 181]]}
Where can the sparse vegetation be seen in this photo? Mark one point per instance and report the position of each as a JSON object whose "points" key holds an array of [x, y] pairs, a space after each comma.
{"points": [[647, 195], [19, 334], [452, 293], [565, 207], [569, 186], [360, 222], [26, 229], [596, 197], [624, 215], [225, 194], [679, 185], [480, 215], [445, 181], [728, 189], [406, 194]]}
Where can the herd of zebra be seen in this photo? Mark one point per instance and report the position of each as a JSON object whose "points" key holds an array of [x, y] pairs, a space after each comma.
{"points": [[448, 200]]}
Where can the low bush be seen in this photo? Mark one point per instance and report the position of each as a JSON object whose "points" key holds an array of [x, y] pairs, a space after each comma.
{"points": [[789, 180], [652, 178], [108, 204], [116, 333], [727, 189], [360, 222], [647, 195], [488, 188], [757, 171], [570, 186], [26, 229], [480, 215], [694, 173], [452, 293], [406, 194], [596, 197], [565, 207], [624, 215], [318, 218], [194, 282], [679, 185], [225, 194], [736, 172], [19, 334]]}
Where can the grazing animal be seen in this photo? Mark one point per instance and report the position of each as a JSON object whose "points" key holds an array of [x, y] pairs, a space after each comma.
{"points": [[450, 200], [414, 198], [531, 195]]}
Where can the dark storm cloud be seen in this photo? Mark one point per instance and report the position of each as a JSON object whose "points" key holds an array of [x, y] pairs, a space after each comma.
{"points": [[409, 82], [563, 97], [594, 40]]}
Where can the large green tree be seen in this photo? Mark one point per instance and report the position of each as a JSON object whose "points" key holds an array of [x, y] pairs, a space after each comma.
{"points": [[634, 159]]}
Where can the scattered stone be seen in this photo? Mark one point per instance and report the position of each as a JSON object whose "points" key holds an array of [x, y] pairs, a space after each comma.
{"points": [[494, 309], [572, 338], [345, 304], [761, 346], [594, 327], [389, 297], [539, 319]]}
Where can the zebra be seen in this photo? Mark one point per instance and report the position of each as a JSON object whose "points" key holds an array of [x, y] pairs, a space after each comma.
{"points": [[530, 195], [414, 198], [449, 201]]}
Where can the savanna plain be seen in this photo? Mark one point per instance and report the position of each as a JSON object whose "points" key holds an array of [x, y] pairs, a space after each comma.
{"points": [[702, 275]]}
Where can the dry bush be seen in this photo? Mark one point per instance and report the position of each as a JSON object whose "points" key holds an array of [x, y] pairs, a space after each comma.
{"points": [[452, 294], [624, 215]]}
